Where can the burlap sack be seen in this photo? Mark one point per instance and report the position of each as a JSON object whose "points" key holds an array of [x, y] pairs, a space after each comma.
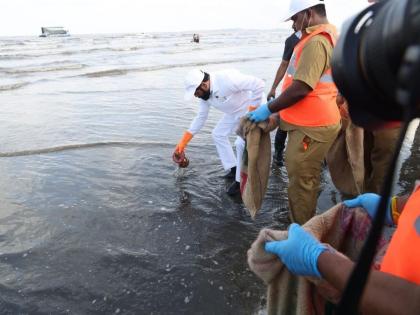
{"points": [[345, 229], [256, 161], [345, 159]]}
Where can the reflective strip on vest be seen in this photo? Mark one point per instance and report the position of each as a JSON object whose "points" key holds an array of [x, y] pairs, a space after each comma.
{"points": [[291, 69], [325, 78]]}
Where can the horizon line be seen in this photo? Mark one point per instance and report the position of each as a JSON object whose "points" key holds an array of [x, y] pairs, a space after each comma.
{"points": [[155, 32]]}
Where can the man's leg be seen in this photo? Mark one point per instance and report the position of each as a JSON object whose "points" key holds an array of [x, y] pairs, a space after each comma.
{"points": [[279, 144], [220, 134], [380, 153], [303, 165], [234, 187], [240, 147]]}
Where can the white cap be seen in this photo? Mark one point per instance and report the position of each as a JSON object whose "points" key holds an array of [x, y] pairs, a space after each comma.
{"points": [[192, 82], [297, 6]]}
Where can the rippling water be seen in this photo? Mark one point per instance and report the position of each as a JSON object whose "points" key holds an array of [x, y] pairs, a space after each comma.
{"points": [[94, 216]]}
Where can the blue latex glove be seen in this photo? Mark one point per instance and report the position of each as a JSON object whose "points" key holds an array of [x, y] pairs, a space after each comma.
{"points": [[260, 114], [370, 202], [299, 252]]}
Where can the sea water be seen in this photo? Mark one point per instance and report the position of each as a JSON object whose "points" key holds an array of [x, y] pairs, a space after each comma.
{"points": [[95, 218]]}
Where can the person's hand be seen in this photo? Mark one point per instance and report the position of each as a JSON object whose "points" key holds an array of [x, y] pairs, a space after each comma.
{"points": [[178, 150], [271, 94], [177, 155], [260, 114], [340, 100], [182, 144], [299, 252], [370, 202], [265, 265]]}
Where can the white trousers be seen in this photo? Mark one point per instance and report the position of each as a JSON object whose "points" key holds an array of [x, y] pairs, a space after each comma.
{"points": [[224, 128]]}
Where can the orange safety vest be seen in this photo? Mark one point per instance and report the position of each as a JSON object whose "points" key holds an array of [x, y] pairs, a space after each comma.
{"points": [[402, 259], [319, 107]]}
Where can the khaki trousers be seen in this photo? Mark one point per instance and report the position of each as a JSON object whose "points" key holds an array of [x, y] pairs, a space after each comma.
{"points": [[304, 157], [379, 146]]}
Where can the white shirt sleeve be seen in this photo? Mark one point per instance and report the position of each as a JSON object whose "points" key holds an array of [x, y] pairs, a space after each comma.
{"points": [[243, 82], [201, 117]]}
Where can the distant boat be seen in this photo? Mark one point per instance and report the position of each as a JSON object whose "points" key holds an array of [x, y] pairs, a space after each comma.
{"points": [[56, 31]]}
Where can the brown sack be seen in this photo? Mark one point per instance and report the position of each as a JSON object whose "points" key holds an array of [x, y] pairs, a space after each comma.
{"points": [[345, 159], [256, 161], [345, 229]]}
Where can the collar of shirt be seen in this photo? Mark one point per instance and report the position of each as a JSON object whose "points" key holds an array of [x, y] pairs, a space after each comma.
{"points": [[214, 87], [312, 28]]}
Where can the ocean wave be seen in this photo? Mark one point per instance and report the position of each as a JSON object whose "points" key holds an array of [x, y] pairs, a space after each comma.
{"points": [[105, 73], [44, 68], [111, 91], [14, 56], [133, 48], [76, 147], [84, 51], [12, 43], [18, 57], [13, 86], [115, 72]]}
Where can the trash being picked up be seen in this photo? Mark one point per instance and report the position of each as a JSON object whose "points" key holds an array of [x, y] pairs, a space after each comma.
{"points": [[180, 159]]}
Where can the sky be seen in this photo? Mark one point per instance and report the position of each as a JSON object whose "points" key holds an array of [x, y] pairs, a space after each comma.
{"points": [[25, 17]]}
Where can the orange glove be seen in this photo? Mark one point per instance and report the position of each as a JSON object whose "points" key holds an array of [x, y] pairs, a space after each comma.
{"points": [[251, 108], [182, 144]]}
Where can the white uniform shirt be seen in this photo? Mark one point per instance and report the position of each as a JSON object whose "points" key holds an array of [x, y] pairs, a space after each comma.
{"points": [[231, 92]]}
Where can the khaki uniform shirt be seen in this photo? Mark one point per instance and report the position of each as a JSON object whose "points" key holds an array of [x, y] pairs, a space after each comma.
{"points": [[314, 60]]}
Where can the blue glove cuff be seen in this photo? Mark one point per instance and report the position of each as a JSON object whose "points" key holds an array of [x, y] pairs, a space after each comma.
{"points": [[320, 248], [265, 109]]}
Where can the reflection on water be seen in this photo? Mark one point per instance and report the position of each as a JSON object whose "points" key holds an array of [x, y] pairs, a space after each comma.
{"points": [[99, 229], [94, 216]]}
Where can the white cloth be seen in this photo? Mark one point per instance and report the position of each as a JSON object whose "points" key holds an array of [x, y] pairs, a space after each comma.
{"points": [[231, 92]]}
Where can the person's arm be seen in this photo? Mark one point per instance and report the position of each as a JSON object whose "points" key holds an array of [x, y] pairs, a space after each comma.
{"points": [[289, 46], [384, 294], [342, 106], [304, 255], [279, 76], [195, 127], [200, 119], [401, 201], [312, 64], [340, 100], [293, 94]]}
